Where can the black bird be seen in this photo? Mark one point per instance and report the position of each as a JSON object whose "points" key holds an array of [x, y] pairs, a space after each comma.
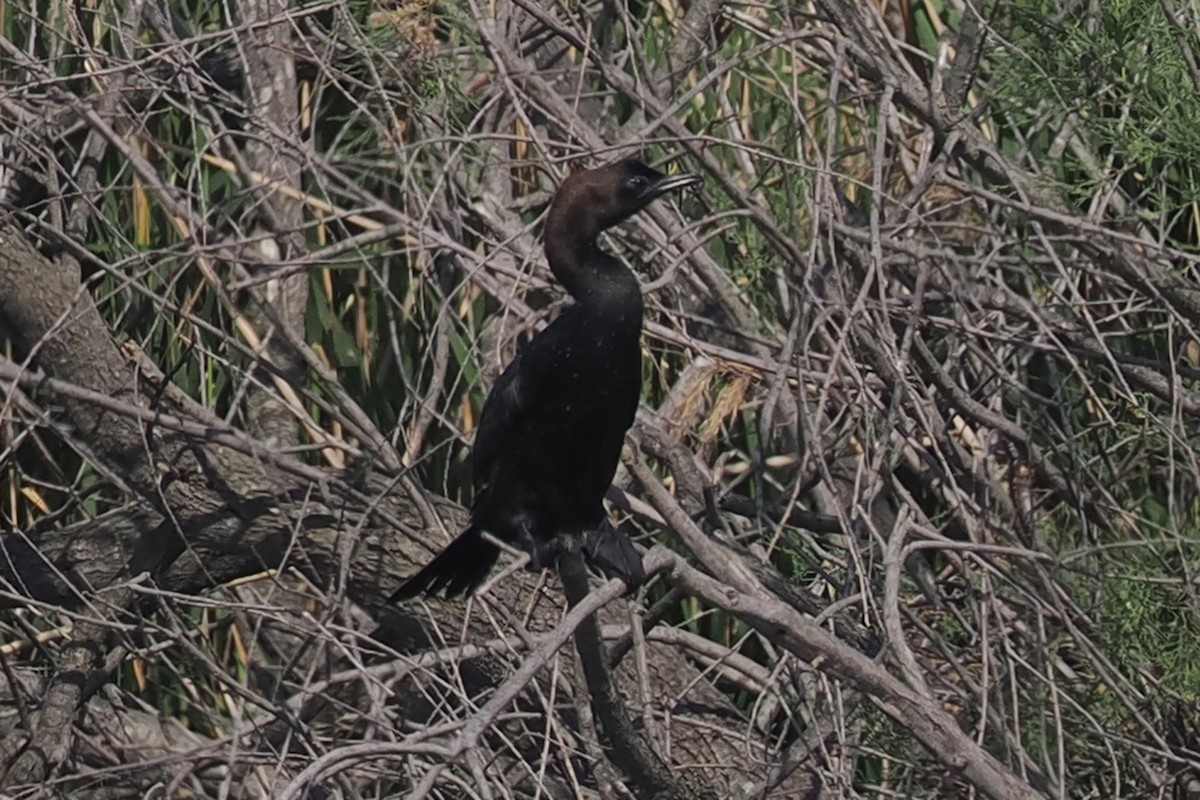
{"points": [[551, 430]]}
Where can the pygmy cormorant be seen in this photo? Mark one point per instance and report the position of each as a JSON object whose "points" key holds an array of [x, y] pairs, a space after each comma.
{"points": [[551, 430]]}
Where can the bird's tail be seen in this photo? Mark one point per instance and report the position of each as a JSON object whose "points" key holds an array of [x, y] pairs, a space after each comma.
{"points": [[458, 569]]}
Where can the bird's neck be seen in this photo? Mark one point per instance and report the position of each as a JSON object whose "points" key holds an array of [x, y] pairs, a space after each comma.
{"points": [[597, 280]]}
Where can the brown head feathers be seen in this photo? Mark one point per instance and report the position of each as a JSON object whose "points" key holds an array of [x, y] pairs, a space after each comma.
{"points": [[593, 200]]}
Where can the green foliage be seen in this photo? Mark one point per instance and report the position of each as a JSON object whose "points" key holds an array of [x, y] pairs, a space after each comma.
{"points": [[1155, 627], [1120, 77]]}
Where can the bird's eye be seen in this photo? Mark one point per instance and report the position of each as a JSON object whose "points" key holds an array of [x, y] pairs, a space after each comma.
{"points": [[636, 182]]}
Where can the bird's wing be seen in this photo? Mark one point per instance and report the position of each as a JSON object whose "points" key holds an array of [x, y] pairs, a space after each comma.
{"points": [[506, 410]]}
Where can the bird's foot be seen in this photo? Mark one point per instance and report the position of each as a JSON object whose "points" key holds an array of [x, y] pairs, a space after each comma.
{"points": [[614, 555], [542, 554]]}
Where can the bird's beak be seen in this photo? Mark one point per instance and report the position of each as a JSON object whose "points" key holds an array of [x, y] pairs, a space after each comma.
{"points": [[669, 184]]}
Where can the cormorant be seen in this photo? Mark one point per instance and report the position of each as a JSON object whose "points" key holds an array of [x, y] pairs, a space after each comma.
{"points": [[552, 427]]}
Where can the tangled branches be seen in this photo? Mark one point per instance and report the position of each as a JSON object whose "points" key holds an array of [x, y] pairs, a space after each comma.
{"points": [[916, 466]]}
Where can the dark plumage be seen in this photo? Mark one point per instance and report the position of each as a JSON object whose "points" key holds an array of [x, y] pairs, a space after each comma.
{"points": [[551, 431]]}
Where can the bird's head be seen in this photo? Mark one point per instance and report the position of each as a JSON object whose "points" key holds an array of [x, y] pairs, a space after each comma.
{"points": [[593, 200]]}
